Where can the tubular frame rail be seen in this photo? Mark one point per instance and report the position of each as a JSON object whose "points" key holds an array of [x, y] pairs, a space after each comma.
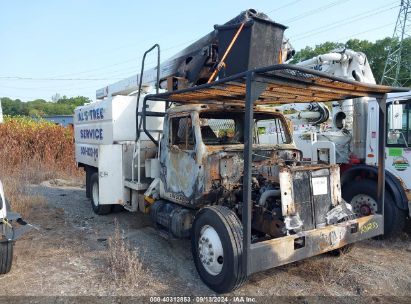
{"points": [[279, 84]]}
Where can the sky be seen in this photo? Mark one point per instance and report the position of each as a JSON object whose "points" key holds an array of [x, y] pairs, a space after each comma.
{"points": [[75, 47]]}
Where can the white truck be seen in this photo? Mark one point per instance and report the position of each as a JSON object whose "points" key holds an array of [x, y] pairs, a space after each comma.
{"points": [[192, 157], [350, 138], [12, 226]]}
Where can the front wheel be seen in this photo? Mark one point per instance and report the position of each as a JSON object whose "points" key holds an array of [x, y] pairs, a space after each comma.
{"points": [[217, 247], [94, 191], [362, 195], [6, 256]]}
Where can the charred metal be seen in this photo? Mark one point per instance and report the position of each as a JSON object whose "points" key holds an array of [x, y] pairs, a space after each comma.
{"points": [[202, 163]]}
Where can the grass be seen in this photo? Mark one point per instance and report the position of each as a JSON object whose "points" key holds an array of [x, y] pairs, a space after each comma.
{"points": [[33, 145], [31, 152], [125, 265], [329, 271], [20, 197]]}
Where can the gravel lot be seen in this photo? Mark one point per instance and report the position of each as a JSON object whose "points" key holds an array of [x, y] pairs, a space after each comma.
{"points": [[68, 256]]}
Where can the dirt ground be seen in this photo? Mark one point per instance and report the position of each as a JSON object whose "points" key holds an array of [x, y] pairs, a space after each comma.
{"points": [[67, 255]]}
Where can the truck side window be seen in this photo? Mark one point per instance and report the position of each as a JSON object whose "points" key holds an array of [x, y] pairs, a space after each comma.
{"points": [[181, 133], [271, 131], [399, 124]]}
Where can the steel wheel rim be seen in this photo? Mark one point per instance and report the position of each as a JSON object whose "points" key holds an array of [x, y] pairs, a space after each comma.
{"points": [[95, 194], [363, 205], [210, 250]]}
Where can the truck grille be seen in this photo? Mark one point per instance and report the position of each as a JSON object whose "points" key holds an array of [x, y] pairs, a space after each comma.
{"points": [[312, 197]]}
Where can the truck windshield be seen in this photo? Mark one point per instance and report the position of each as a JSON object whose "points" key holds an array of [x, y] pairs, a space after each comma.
{"points": [[227, 128], [399, 124]]}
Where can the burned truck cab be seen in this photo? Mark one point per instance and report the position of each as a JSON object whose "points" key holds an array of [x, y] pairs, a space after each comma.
{"points": [[202, 164], [249, 206]]}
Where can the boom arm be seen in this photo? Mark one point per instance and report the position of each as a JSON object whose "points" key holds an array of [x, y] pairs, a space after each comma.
{"points": [[194, 64], [344, 63]]}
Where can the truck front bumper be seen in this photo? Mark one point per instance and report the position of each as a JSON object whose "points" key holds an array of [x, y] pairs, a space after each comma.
{"points": [[284, 250]]}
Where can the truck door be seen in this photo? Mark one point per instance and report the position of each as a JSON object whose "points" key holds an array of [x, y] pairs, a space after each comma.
{"points": [[179, 164], [110, 171], [398, 151]]}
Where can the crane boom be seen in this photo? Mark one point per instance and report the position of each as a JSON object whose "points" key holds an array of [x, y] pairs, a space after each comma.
{"points": [[194, 64]]}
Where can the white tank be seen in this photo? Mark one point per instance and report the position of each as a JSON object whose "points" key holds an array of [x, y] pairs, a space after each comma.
{"points": [[113, 120]]}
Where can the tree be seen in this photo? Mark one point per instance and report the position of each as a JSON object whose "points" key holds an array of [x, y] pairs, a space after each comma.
{"points": [[55, 97], [41, 107]]}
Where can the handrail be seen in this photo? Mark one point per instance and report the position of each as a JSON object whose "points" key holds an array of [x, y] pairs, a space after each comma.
{"points": [[138, 122]]}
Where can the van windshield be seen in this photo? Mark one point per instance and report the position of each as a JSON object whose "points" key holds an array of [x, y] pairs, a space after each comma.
{"points": [[227, 128]]}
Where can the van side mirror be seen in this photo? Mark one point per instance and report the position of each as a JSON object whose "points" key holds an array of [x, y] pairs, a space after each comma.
{"points": [[396, 116]]}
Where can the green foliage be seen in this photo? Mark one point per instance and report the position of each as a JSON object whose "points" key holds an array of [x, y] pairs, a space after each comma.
{"points": [[41, 107]]}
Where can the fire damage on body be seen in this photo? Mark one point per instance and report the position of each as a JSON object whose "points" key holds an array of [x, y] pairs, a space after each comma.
{"points": [[202, 164], [249, 206]]}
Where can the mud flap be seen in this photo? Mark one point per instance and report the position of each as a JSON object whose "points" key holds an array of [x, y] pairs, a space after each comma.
{"points": [[14, 226]]}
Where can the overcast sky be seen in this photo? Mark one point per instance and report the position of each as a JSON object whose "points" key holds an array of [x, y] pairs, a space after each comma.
{"points": [[97, 42]]}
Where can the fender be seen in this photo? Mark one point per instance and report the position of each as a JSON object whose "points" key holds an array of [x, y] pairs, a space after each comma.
{"points": [[392, 183]]}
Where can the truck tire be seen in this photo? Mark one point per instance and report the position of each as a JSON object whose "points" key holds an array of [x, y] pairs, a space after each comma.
{"points": [[362, 195], [341, 251], [217, 248], [6, 256], [94, 190]]}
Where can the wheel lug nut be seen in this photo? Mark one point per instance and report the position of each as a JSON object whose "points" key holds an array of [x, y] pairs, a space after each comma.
{"points": [[210, 246], [208, 263], [211, 253]]}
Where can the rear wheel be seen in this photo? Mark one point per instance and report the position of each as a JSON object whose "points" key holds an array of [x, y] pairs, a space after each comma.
{"points": [[94, 191], [6, 256], [217, 248], [362, 196]]}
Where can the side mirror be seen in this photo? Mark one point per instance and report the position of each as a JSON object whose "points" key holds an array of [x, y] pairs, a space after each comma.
{"points": [[393, 136], [396, 117]]}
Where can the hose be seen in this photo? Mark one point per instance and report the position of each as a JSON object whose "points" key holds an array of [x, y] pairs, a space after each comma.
{"points": [[267, 194]]}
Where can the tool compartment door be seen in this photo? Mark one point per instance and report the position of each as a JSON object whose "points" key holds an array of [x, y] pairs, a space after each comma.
{"points": [[110, 171]]}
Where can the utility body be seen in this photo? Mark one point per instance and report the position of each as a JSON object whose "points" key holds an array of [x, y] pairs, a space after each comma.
{"points": [[351, 139], [192, 156]]}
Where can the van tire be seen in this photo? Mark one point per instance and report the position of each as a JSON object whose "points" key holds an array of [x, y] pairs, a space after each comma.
{"points": [[6, 256], [227, 229], [94, 190]]}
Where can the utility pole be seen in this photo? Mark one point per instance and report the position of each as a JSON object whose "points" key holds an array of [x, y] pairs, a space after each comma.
{"points": [[395, 62]]}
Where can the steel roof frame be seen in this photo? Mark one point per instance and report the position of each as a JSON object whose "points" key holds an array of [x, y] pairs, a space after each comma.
{"points": [[276, 84]]}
